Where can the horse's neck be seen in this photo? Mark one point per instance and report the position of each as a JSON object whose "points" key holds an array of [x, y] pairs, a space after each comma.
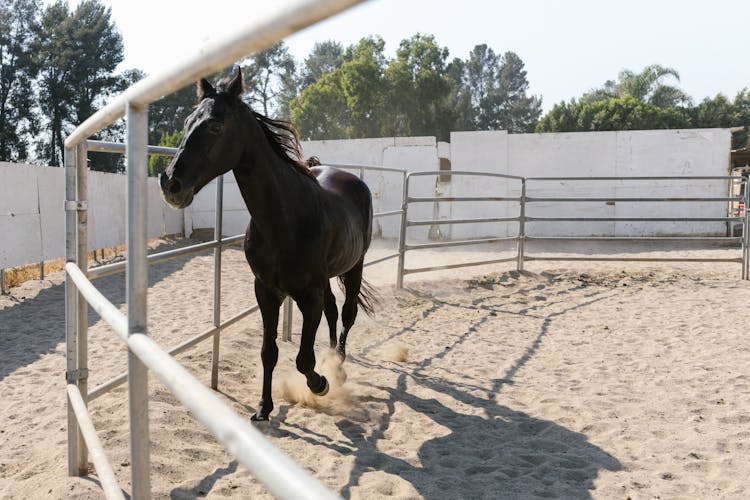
{"points": [[274, 193]]}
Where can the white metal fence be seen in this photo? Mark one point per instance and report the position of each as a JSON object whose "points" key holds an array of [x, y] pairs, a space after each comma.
{"points": [[550, 208], [277, 472]]}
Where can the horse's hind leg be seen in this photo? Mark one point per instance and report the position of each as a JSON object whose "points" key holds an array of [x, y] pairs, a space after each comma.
{"points": [[311, 305], [352, 280], [331, 312], [269, 303]]}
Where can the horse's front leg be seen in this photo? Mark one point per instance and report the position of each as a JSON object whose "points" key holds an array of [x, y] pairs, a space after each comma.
{"points": [[311, 305], [269, 302]]}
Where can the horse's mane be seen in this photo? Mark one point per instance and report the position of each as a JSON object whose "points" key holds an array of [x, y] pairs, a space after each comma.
{"points": [[282, 136], [284, 139]]}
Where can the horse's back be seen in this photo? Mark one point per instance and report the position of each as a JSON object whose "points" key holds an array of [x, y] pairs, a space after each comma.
{"points": [[348, 186], [349, 205]]}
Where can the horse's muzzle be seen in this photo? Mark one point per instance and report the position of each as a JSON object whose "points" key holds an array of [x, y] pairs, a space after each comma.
{"points": [[174, 192]]}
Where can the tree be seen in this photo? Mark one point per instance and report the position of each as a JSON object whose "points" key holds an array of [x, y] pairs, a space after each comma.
{"points": [[419, 89], [517, 112], [622, 113], [347, 102], [497, 88], [460, 96], [270, 76], [77, 53], [324, 58], [168, 113], [647, 86], [17, 71], [158, 164]]}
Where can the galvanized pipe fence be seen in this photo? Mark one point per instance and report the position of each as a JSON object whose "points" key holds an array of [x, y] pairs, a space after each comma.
{"points": [[524, 202], [283, 477]]}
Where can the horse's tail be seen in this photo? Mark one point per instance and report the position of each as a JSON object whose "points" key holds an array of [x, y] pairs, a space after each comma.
{"points": [[368, 297]]}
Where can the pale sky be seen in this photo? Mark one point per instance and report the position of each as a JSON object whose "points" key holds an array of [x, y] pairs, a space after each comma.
{"points": [[568, 46]]}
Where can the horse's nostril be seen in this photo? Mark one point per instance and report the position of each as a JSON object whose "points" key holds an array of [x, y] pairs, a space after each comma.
{"points": [[175, 186]]}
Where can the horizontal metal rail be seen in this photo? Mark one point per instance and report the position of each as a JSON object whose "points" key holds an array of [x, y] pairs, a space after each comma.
{"points": [[381, 259], [632, 259], [385, 214], [425, 199], [118, 267], [97, 301], [463, 172], [436, 222], [636, 219], [104, 471], [119, 147], [706, 239], [362, 166], [122, 378], [281, 475], [455, 266], [532, 199], [260, 32], [424, 246], [639, 178]]}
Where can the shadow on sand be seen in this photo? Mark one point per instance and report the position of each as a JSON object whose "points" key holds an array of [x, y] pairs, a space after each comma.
{"points": [[35, 326], [488, 451]]}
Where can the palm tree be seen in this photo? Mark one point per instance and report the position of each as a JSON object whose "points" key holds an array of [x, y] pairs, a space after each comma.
{"points": [[647, 86]]}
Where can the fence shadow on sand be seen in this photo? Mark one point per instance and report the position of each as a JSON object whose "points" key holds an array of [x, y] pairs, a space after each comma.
{"points": [[33, 327]]}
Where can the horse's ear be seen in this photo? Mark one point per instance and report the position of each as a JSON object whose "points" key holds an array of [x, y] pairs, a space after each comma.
{"points": [[203, 88], [236, 87]]}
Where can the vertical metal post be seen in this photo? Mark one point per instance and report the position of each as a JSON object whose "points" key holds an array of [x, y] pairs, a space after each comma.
{"points": [[2, 281], [745, 231], [218, 220], [522, 227], [286, 320], [402, 233], [82, 262], [137, 289], [71, 307], [41, 270]]}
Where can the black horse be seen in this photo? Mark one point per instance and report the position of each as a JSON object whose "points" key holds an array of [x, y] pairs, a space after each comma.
{"points": [[307, 224]]}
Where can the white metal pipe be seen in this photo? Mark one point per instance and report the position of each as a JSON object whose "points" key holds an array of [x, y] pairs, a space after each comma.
{"points": [[280, 474], [71, 301], [118, 267], [119, 147], [402, 232], [286, 320], [82, 259], [260, 32], [104, 470], [121, 379], [218, 220], [97, 301], [137, 294]]}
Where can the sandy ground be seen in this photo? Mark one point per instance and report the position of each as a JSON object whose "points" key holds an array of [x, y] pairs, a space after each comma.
{"points": [[568, 380]]}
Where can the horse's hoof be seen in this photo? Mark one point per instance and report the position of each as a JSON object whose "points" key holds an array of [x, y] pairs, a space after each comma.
{"points": [[323, 387], [260, 416]]}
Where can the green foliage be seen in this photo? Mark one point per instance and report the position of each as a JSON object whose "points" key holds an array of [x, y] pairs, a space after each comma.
{"points": [[641, 101], [324, 58], [615, 113], [347, 102], [17, 70], [417, 93], [158, 164], [271, 80], [77, 53]]}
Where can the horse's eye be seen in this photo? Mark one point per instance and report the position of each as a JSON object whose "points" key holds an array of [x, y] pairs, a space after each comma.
{"points": [[215, 128]]}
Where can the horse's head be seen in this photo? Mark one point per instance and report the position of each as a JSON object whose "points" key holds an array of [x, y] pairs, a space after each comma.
{"points": [[212, 144]]}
